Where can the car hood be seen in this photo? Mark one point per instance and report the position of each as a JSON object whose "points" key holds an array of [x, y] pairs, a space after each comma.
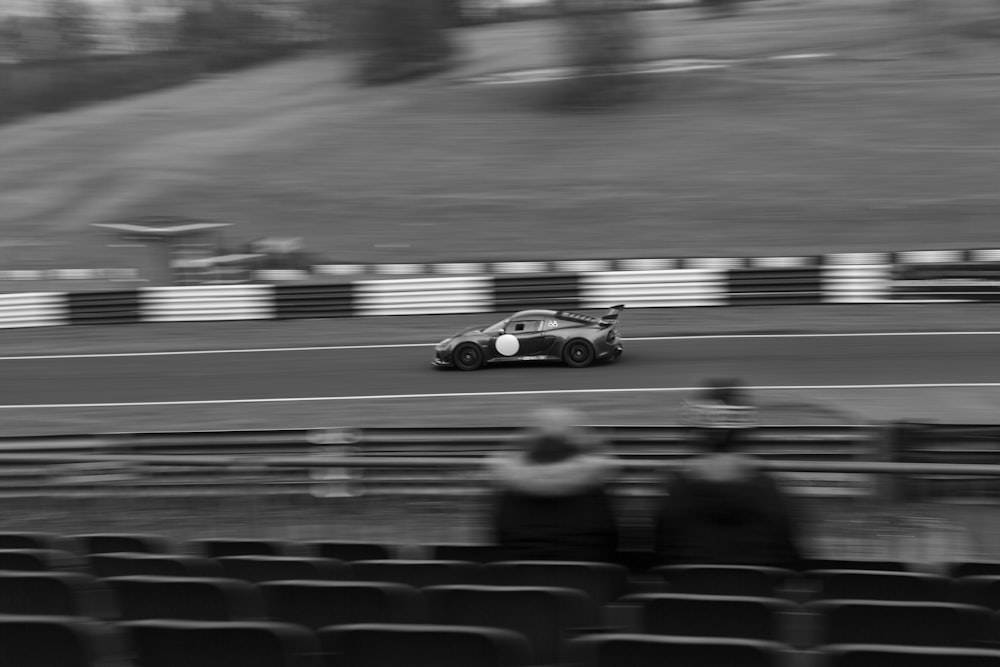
{"points": [[467, 330], [464, 332]]}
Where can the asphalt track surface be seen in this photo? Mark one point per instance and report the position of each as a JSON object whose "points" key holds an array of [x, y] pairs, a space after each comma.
{"points": [[365, 372]]}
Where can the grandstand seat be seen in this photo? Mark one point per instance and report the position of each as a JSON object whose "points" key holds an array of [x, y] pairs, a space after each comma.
{"points": [[638, 561], [98, 543], [350, 551], [872, 585], [854, 564], [982, 590], [217, 547], [974, 569], [186, 598], [55, 594], [743, 580], [165, 565], [476, 553], [602, 582], [173, 643], [385, 645], [712, 615], [544, 616], [31, 540], [60, 641], [636, 650], [861, 655], [271, 568], [40, 560], [316, 604], [418, 573], [905, 623]]}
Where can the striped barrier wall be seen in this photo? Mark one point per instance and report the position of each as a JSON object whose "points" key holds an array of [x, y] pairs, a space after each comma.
{"points": [[654, 289], [206, 302], [651, 264], [39, 309], [424, 296], [944, 276]]}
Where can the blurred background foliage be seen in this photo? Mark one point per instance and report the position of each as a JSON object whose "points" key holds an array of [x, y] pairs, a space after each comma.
{"points": [[56, 54]]}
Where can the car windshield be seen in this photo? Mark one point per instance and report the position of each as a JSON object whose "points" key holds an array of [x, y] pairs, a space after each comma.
{"points": [[496, 328]]}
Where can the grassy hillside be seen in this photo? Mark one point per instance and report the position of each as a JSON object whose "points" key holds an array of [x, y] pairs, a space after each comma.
{"points": [[884, 146]]}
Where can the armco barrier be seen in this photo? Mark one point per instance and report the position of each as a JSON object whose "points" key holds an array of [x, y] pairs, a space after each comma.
{"points": [[953, 281], [844, 278], [523, 292], [654, 289], [424, 296], [216, 302], [309, 301], [104, 307], [765, 287], [857, 283], [40, 309]]}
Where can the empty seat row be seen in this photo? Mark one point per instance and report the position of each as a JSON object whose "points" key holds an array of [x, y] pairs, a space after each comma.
{"points": [[210, 547], [637, 561], [544, 614], [66, 642], [813, 624], [604, 582]]}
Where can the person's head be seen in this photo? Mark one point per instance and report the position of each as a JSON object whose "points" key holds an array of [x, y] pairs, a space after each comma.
{"points": [[728, 391], [556, 434], [720, 415]]}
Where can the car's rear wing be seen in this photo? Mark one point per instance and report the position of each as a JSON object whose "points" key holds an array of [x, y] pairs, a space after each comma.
{"points": [[611, 317], [605, 320]]}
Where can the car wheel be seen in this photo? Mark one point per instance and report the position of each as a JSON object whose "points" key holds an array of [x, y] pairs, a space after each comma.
{"points": [[578, 353], [468, 357]]}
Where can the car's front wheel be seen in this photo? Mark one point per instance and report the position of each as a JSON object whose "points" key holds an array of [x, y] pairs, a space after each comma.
{"points": [[468, 357], [578, 353]]}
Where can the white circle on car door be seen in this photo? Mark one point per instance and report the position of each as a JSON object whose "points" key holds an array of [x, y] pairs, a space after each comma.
{"points": [[508, 344]]}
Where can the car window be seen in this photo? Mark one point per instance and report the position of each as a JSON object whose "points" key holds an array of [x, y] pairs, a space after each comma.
{"points": [[524, 326]]}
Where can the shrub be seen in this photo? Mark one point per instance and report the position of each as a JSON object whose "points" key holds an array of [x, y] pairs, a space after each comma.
{"points": [[400, 39], [601, 45]]}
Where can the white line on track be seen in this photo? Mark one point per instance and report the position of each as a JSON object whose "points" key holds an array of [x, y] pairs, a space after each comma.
{"points": [[484, 394], [820, 335], [333, 348], [101, 355]]}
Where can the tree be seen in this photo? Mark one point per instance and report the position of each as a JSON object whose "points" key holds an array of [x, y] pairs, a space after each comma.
{"points": [[400, 39], [601, 44], [75, 26], [221, 24], [11, 40]]}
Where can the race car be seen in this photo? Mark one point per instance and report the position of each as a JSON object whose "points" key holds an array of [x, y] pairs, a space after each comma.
{"points": [[576, 339]]}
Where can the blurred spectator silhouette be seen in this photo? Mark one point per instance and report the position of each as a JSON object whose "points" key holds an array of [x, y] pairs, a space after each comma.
{"points": [[721, 507], [551, 500]]}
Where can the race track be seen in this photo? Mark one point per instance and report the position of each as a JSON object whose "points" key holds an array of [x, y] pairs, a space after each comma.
{"points": [[374, 372]]}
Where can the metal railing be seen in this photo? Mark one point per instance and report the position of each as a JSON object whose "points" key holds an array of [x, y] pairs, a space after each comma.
{"points": [[409, 486]]}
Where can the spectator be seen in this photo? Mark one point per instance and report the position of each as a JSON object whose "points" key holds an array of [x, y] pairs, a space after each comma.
{"points": [[721, 507], [551, 501]]}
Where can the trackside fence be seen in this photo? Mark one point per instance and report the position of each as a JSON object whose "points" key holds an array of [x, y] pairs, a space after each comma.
{"points": [[863, 491], [931, 276]]}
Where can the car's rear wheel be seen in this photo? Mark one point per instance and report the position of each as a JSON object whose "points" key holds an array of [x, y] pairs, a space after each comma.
{"points": [[578, 353], [468, 357]]}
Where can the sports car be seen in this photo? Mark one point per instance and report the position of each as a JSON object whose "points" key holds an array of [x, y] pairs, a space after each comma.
{"points": [[576, 339]]}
